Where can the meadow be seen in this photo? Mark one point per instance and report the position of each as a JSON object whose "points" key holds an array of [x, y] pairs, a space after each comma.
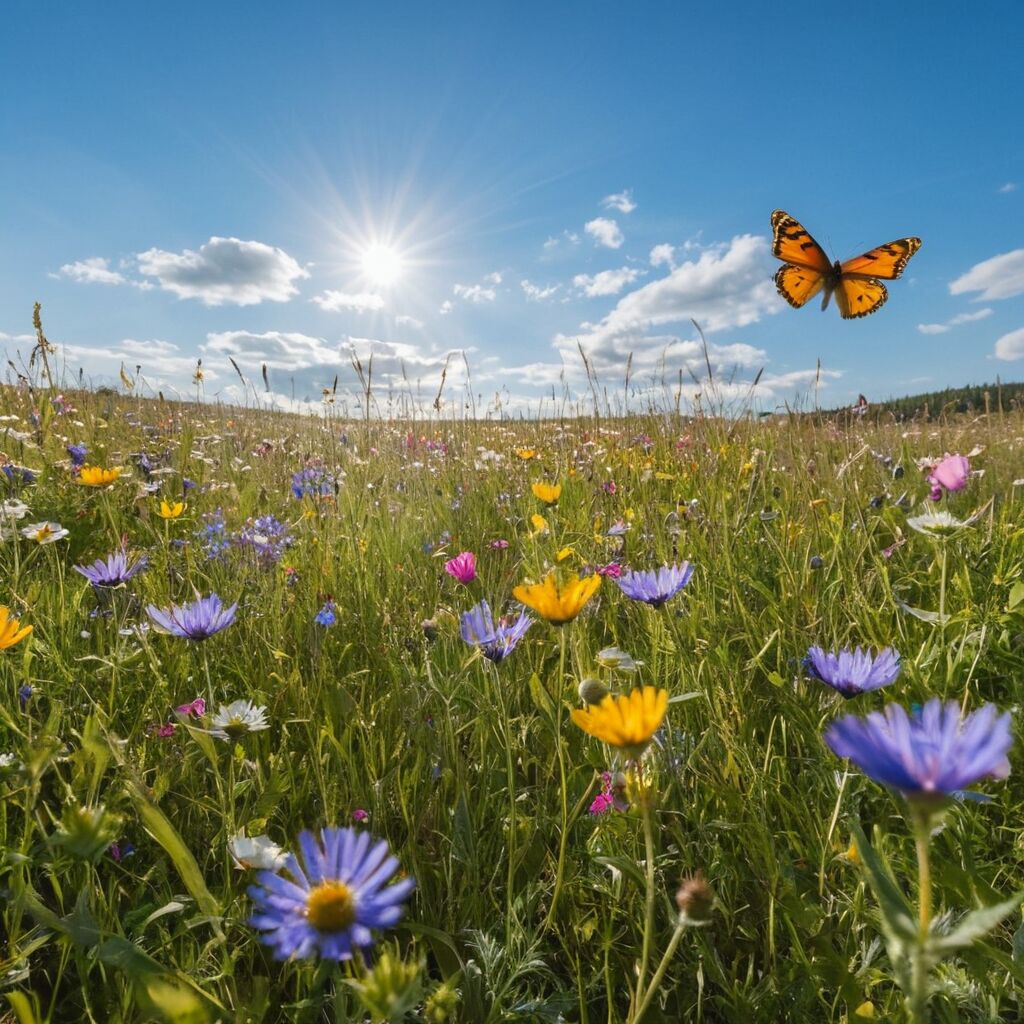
{"points": [[729, 867]]}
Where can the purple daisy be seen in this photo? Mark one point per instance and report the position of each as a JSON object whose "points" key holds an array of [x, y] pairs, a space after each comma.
{"points": [[335, 895], [655, 587], [927, 754], [853, 672], [196, 621], [496, 642], [113, 572]]}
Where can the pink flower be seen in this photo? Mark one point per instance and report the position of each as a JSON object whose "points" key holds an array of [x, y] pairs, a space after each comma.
{"points": [[612, 795], [499, 545], [602, 802], [951, 474], [360, 815], [161, 730], [612, 569], [462, 567], [194, 710]]}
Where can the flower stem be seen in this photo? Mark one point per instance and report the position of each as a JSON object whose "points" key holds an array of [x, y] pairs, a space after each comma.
{"points": [[648, 896], [563, 784], [659, 973], [918, 1002]]}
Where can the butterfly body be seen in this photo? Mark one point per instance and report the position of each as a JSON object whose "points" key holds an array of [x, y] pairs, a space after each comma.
{"points": [[855, 283]]}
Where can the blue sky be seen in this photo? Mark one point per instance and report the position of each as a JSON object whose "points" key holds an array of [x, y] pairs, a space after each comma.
{"points": [[206, 180]]}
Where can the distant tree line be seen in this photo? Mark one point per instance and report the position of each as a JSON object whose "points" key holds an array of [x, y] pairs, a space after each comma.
{"points": [[972, 398]]}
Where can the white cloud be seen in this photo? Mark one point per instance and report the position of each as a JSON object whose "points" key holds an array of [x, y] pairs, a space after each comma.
{"points": [[359, 302], [403, 320], [225, 271], [605, 232], [1000, 277], [446, 308], [554, 242], [280, 350], [956, 321], [475, 293], [1010, 186], [1010, 346], [621, 201], [607, 282], [17, 339], [535, 293], [663, 254], [95, 270], [494, 278]]}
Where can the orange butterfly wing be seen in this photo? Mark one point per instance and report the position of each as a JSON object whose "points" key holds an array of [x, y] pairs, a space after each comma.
{"points": [[798, 284], [887, 261], [858, 297], [792, 243]]}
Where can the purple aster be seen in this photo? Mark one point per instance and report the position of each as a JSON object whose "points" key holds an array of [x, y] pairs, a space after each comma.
{"points": [[113, 572], [655, 587], [853, 672], [496, 642], [196, 621], [327, 615], [78, 453], [927, 754], [334, 896]]}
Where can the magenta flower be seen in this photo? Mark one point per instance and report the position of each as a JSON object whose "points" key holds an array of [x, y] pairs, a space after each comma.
{"points": [[951, 474], [360, 815], [196, 709], [462, 567]]}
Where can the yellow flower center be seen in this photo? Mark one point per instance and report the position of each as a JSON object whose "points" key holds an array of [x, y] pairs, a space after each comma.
{"points": [[43, 532], [331, 906]]}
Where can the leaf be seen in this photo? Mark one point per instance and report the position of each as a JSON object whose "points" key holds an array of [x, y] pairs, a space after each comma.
{"points": [[898, 925], [1016, 596], [923, 614], [625, 866], [24, 1007], [680, 697], [974, 925], [540, 697]]}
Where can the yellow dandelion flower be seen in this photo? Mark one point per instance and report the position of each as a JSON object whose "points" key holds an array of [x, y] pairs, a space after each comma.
{"points": [[540, 525], [169, 511], [97, 476], [564, 554], [558, 604], [526, 453], [627, 721], [10, 634], [548, 493]]}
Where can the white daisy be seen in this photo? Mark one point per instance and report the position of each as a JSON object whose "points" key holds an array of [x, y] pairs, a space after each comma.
{"points": [[256, 852], [44, 533], [237, 719]]}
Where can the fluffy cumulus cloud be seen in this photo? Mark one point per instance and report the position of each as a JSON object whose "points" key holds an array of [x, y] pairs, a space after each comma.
{"points": [[358, 302], [663, 255], [225, 271], [537, 293], [477, 293], [727, 286], [280, 350], [956, 321], [404, 320], [607, 282], [1010, 346], [1000, 277], [621, 201], [605, 231], [95, 270]]}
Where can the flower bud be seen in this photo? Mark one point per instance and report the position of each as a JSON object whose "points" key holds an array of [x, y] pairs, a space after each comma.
{"points": [[592, 691], [695, 899]]}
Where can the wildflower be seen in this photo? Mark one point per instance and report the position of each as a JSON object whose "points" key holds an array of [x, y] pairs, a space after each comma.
{"points": [[24, 695], [927, 754], [13, 508], [256, 852], [939, 523], [78, 454], [618, 528], [592, 691], [853, 672], [462, 567], [97, 476], [496, 642], [548, 493], [360, 815], [114, 572], [558, 604], [951, 474], [196, 621], [267, 537], [695, 899], [612, 569], [11, 630], [335, 894], [195, 709], [628, 722], [655, 588], [163, 729], [612, 795], [526, 453], [119, 852], [612, 657], [237, 719], [44, 533], [498, 545], [212, 535], [171, 511], [326, 616], [312, 482], [539, 523]]}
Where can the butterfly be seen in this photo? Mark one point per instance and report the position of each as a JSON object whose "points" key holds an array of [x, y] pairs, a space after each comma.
{"points": [[854, 283]]}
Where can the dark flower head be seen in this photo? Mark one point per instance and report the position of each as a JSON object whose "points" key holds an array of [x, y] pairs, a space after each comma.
{"points": [[335, 894], [655, 587], [496, 642], [853, 672], [196, 621], [78, 453], [926, 755], [114, 571]]}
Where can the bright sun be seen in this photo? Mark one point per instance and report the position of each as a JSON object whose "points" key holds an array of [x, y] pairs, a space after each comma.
{"points": [[381, 264]]}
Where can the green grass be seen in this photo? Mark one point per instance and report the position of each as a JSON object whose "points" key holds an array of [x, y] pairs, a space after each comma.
{"points": [[456, 760]]}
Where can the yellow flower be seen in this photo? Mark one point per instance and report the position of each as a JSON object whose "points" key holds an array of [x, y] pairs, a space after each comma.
{"points": [[558, 604], [664, 476], [564, 554], [169, 511], [97, 476], [540, 524], [10, 634], [866, 1010], [526, 453], [548, 493], [627, 722]]}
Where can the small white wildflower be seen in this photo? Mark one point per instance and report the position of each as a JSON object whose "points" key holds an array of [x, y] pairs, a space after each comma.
{"points": [[237, 719], [44, 533], [257, 852]]}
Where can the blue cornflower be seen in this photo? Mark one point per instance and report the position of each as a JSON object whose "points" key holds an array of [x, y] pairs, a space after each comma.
{"points": [[196, 621], [113, 572], [655, 587], [335, 895], [927, 755], [326, 616], [313, 482], [496, 642], [267, 537], [213, 534], [24, 695], [853, 672], [78, 453]]}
